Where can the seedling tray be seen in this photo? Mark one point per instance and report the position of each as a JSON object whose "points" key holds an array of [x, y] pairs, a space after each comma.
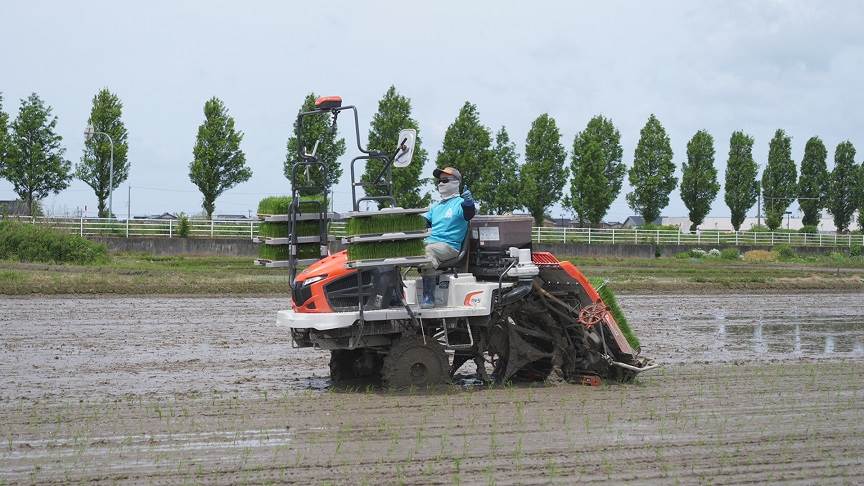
{"points": [[366, 214], [282, 263], [268, 240], [405, 235], [396, 262], [285, 218]]}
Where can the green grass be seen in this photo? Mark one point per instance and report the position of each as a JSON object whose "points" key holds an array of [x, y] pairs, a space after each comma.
{"points": [[33, 243], [385, 223], [387, 249], [281, 252]]}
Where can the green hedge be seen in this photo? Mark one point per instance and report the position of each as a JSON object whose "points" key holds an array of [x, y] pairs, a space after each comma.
{"points": [[31, 243]]}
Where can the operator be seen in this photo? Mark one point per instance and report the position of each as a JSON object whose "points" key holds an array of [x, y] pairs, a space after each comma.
{"points": [[448, 219]]}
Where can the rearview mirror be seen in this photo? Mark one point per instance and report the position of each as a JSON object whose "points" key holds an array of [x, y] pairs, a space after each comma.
{"points": [[405, 147]]}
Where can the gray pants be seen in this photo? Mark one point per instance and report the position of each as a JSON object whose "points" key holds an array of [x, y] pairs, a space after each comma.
{"points": [[438, 252]]}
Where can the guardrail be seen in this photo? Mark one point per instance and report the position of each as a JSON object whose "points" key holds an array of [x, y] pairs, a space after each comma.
{"points": [[249, 228], [705, 238]]}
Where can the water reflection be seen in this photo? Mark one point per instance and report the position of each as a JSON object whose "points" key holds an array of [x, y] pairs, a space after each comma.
{"points": [[807, 339]]}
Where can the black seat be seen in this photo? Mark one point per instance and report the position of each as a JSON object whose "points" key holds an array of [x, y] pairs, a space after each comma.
{"points": [[454, 262]]}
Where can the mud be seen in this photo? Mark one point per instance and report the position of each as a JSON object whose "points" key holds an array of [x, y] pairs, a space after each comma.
{"points": [[760, 388]]}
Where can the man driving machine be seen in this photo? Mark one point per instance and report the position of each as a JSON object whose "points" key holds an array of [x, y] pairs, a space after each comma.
{"points": [[448, 219]]}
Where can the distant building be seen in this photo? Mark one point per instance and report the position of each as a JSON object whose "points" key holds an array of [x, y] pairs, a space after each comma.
{"points": [[636, 221], [159, 216], [229, 217], [826, 224], [18, 207]]}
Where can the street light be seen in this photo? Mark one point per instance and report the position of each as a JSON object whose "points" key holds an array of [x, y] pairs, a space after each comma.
{"points": [[88, 134]]}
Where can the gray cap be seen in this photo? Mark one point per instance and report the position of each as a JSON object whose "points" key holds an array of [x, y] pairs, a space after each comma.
{"points": [[450, 171]]}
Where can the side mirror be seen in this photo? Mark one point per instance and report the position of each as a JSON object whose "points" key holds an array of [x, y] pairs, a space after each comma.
{"points": [[405, 148]]}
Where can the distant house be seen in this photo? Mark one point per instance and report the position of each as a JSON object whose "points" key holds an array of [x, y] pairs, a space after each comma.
{"points": [[636, 221], [229, 217], [826, 224], [159, 216]]}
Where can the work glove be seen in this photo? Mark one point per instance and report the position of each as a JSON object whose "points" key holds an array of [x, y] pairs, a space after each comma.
{"points": [[466, 194]]}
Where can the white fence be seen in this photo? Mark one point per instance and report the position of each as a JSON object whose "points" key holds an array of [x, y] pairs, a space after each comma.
{"points": [[169, 228], [703, 238], [249, 228]]}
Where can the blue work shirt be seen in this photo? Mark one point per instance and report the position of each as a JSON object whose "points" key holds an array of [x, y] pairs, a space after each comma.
{"points": [[447, 220]]}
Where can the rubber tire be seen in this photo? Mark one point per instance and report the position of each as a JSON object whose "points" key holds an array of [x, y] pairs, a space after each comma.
{"points": [[342, 364], [411, 363]]}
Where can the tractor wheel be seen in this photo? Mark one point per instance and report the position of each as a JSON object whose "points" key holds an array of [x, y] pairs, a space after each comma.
{"points": [[351, 364], [410, 362]]}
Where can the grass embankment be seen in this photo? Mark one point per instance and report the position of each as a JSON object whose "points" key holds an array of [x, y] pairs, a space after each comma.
{"points": [[145, 274], [716, 274]]}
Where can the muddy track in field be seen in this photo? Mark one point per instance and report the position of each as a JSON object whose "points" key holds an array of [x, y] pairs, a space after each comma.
{"points": [[762, 388]]}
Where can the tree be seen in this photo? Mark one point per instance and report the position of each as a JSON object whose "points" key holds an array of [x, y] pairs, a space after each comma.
{"points": [[699, 185], [860, 193], [4, 134], [467, 147], [653, 173], [95, 165], [316, 128], [779, 180], [597, 171], [219, 164], [394, 114], [34, 162], [498, 186], [543, 175], [813, 185], [741, 187], [842, 184]]}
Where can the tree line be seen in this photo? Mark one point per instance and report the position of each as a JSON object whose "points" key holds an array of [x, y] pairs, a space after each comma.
{"points": [[502, 181]]}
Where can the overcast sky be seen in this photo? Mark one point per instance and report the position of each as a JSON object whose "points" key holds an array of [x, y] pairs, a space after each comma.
{"points": [[719, 65]]}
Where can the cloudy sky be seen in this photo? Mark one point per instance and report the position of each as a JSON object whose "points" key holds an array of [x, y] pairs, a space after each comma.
{"points": [[716, 65]]}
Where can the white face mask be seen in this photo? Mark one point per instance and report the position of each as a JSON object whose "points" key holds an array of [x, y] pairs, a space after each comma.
{"points": [[448, 189]]}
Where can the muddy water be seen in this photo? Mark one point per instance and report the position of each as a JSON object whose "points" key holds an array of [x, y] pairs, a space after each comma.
{"points": [[207, 390], [740, 327], [69, 346]]}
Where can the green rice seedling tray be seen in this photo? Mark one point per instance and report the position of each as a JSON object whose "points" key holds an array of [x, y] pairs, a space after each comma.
{"points": [[280, 205], [284, 218], [408, 235], [385, 211], [612, 303], [394, 262], [385, 223], [389, 249], [283, 252]]}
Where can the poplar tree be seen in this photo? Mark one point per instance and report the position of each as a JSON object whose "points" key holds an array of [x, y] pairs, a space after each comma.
{"points": [[219, 164], [860, 194], [597, 171], [813, 185], [842, 186], [316, 128], [394, 114], [543, 176], [699, 185], [4, 134], [779, 180], [95, 165], [741, 187], [498, 186], [34, 157], [467, 147], [653, 173]]}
